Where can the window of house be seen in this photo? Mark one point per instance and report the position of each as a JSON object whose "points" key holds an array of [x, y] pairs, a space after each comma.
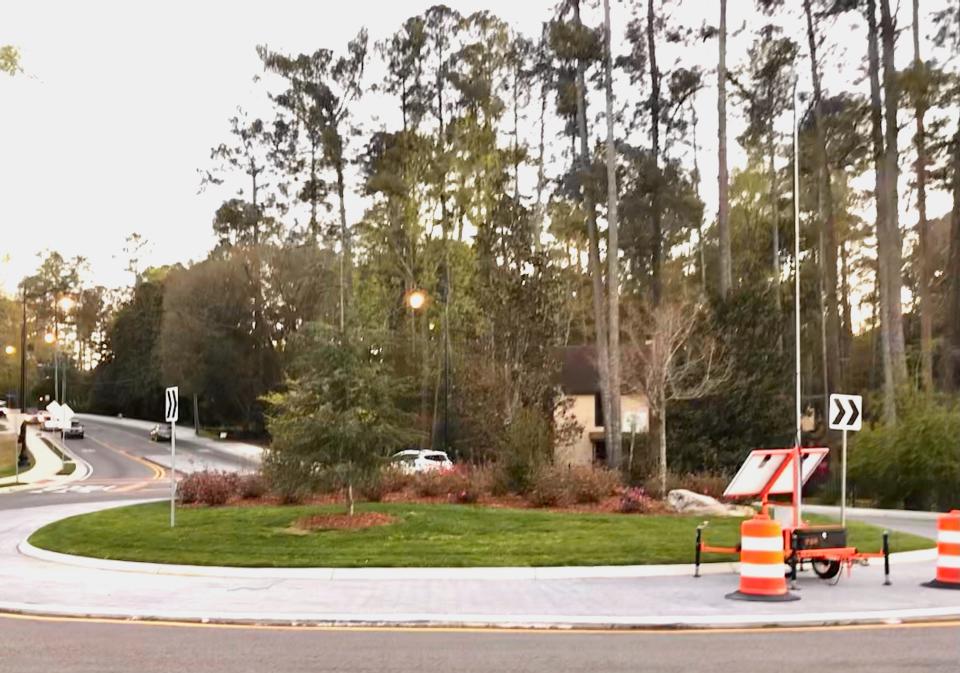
{"points": [[600, 453], [597, 410]]}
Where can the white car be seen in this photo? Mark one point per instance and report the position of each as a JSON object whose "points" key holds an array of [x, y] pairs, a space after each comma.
{"points": [[414, 461]]}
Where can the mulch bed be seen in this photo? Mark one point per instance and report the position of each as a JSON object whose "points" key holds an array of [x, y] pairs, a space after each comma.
{"points": [[344, 521], [610, 505]]}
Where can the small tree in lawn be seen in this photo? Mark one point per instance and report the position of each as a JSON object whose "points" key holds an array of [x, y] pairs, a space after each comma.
{"points": [[672, 359], [341, 410]]}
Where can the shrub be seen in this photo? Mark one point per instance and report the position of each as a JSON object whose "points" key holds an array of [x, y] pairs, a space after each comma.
{"points": [[394, 479], [288, 477], [548, 487], [915, 464], [252, 486], [705, 483], [636, 501], [525, 447], [439, 483], [371, 486], [586, 485], [208, 488]]}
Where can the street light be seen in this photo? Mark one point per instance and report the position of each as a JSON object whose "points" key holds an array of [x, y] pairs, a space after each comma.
{"points": [[10, 350], [416, 299]]}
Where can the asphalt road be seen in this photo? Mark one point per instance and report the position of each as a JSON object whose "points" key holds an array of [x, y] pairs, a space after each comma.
{"points": [[75, 647], [119, 459]]}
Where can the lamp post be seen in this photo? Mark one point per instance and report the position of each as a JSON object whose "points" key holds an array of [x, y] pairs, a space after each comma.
{"points": [[66, 303], [417, 300]]}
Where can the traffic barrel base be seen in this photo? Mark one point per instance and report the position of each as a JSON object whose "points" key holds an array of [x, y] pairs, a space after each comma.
{"points": [[948, 552], [762, 569]]}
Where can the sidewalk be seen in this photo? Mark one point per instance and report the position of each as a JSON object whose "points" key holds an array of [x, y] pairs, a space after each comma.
{"points": [[367, 597], [45, 467]]}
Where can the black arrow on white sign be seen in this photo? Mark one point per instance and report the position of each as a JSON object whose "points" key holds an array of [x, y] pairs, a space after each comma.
{"points": [[845, 412], [172, 411]]}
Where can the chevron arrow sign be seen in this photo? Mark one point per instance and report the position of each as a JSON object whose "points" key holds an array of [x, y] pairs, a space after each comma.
{"points": [[172, 407], [846, 412]]}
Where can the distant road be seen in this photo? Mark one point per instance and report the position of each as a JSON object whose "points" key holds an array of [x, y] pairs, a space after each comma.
{"points": [[82, 647], [125, 463]]}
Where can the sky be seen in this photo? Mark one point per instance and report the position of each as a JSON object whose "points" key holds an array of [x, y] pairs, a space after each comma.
{"points": [[120, 103]]}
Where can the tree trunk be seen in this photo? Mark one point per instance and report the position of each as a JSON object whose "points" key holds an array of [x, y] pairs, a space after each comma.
{"points": [[663, 445], [951, 351], [657, 216], [615, 450], [883, 273], [346, 256], [593, 258], [894, 248], [701, 246], [846, 337], [828, 261], [775, 226], [923, 227], [723, 209]]}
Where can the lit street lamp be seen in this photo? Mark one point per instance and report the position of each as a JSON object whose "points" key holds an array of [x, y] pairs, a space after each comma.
{"points": [[416, 299], [10, 350]]}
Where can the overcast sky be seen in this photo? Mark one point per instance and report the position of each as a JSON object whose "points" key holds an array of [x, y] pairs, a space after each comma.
{"points": [[121, 101]]}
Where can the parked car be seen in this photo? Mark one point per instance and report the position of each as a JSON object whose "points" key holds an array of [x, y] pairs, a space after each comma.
{"points": [[160, 433], [416, 461], [75, 431], [32, 417]]}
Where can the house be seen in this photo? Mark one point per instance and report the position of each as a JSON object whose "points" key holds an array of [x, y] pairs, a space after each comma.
{"points": [[579, 381]]}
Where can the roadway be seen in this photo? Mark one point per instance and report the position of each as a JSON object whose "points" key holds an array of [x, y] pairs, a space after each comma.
{"points": [[124, 464], [69, 646]]}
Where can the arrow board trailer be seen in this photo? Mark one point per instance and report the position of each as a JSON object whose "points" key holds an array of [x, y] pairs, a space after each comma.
{"points": [[768, 472]]}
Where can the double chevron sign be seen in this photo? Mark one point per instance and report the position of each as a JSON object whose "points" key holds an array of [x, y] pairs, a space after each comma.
{"points": [[846, 412], [172, 413]]}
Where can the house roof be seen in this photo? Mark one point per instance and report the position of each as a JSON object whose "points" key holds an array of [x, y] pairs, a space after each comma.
{"points": [[578, 370]]}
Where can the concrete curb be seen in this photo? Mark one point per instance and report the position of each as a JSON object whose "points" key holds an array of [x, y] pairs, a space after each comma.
{"points": [[375, 574], [864, 511], [346, 574], [488, 621]]}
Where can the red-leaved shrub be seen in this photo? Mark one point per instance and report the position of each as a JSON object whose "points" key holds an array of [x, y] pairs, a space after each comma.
{"points": [[208, 488]]}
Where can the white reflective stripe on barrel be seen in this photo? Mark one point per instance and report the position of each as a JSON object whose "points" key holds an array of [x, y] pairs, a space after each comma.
{"points": [[761, 544], [949, 562], [949, 536], [763, 570]]}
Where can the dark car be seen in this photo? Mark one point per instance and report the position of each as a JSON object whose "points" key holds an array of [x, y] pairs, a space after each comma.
{"points": [[75, 431], [160, 433]]}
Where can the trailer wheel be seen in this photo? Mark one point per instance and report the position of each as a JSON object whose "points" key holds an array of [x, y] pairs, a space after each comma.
{"points": [[825, 568]]}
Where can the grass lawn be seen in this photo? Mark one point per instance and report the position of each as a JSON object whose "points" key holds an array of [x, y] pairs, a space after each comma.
{"points": [[423, 536], [8, 454]]}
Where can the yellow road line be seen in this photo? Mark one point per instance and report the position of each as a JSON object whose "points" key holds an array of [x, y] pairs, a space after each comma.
{"points": [[158, 472], [492, 630]]}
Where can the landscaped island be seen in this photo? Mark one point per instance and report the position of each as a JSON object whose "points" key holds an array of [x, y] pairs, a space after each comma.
{"points": [[403, 535]]}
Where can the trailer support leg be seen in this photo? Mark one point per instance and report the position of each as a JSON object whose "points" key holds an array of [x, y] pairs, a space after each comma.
{"points": [[696, 572], [793, 562], [886, 558]]}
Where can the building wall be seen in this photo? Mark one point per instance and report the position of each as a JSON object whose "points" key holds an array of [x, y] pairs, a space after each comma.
{"points": [[582, 408]]}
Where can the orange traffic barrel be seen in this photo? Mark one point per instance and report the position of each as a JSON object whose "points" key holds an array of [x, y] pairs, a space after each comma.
{"points": [[948, 552], [762, 568]]}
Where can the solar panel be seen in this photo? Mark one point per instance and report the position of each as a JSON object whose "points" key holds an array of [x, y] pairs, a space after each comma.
{"points": [[762, 465]]}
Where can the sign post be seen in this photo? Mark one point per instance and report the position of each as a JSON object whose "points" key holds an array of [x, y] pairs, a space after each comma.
{"points": [[846, 413], [172, 415]]}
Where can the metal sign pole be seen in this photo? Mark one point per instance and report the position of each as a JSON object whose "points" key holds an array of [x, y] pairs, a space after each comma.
{"points": [[796, 263], [173, 474], [843, 482]]}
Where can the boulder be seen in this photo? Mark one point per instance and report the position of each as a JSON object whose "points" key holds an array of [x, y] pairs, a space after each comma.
{"points": [[683, 501]]}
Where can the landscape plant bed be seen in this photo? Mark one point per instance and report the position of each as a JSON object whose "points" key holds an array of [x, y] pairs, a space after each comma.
{"points": [[420, 536]]}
